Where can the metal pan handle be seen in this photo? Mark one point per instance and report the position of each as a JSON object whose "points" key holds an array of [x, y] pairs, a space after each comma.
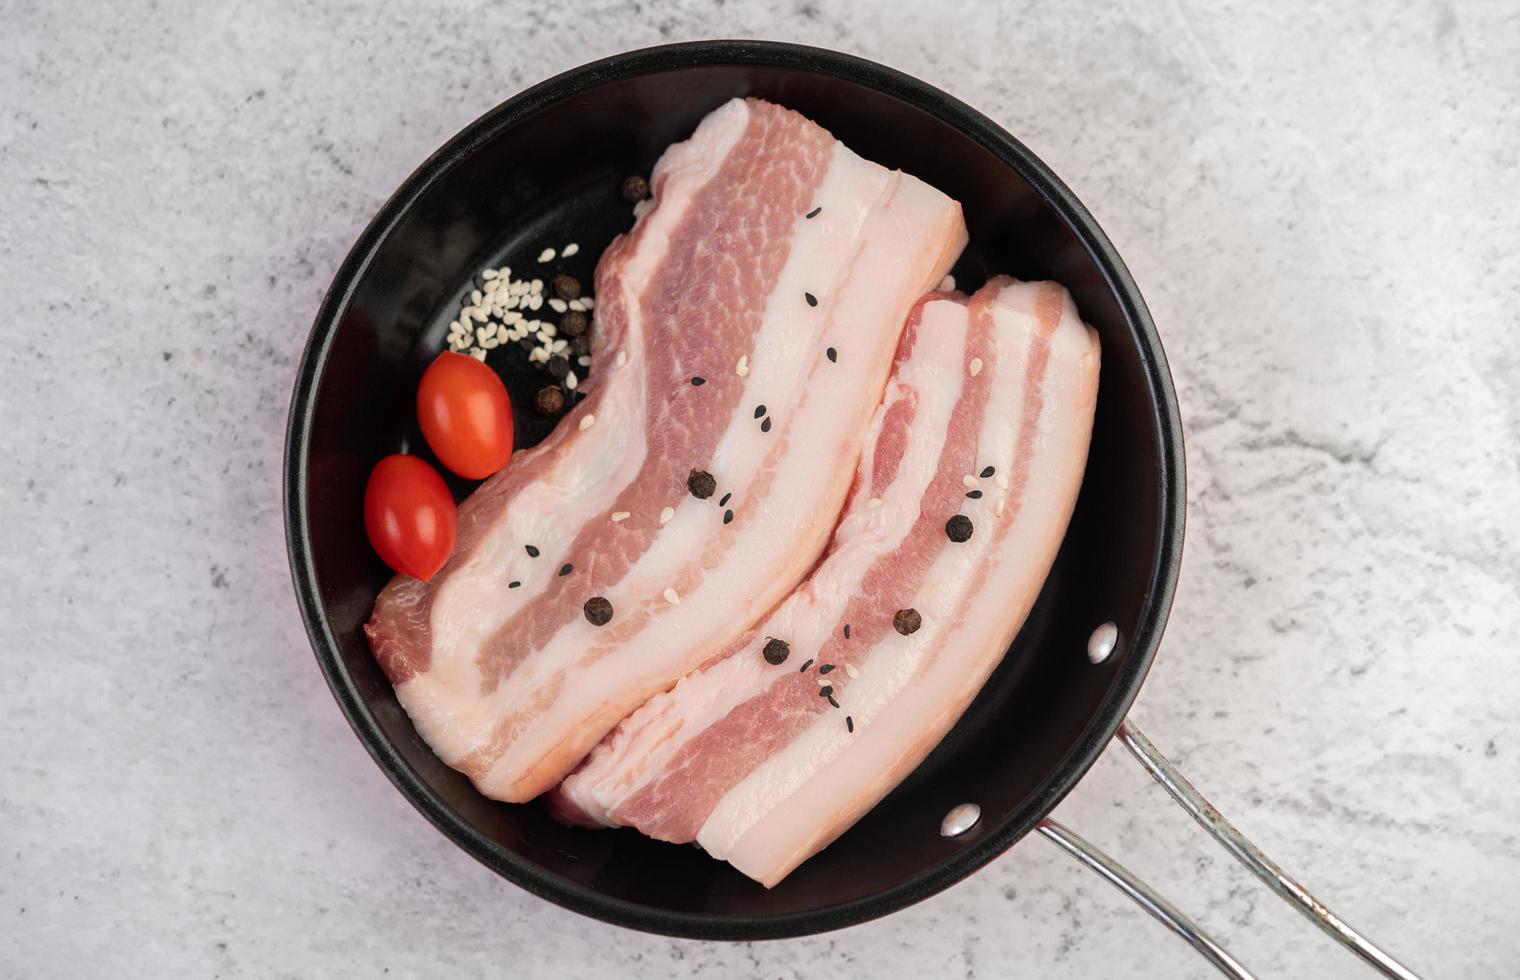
{"points": [[1233, 841]]}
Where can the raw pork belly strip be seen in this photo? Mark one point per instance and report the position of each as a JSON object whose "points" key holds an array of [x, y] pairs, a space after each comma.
{"points": [[751, 759], [724, 297]]}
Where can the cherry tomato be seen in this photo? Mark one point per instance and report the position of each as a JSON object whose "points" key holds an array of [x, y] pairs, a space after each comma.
{"points": [[466, 415], [409, 515]]}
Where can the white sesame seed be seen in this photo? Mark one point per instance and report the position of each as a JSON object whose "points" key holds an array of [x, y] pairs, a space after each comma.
{"points": [[511, 316], [584, 360], [622, 358], [559, 346], [570, 381], [538, 354], [570, 250], [587, 302], [667, 514], [946, 284], [535, 301], [536, 286], [549, 330], [1002, 482], [492, 285], [999, 509], [587, 421], [558, 305], [850, 671], [619, 516], [488, 275], [547, 255], [481, 334], [477, 353], [578, 305], [873, 503], [518, 288], [742, 368], [479, 315], [505, 272], [975, 367], [491, 343], [971, 481], [475, 297], [672, 598]]}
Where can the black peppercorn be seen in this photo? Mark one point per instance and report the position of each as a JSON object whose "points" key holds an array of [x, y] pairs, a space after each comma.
{"points": [[907, 621], [776, 651], [958, 528], [566, 287], [701, 484], [598, 611], [635, 189], [574, 324], [549, 400]]}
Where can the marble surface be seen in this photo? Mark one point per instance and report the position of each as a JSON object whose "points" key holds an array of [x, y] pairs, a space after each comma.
{"points": [[1320, 207]]}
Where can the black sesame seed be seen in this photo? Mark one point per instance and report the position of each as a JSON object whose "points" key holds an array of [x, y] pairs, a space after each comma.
{"points": [[973, 495], [701, 484], [598, 611], [806, 664], [826, 690], [988, 472], [833, 355], [846, 631], [532, 551], [776, 651], [813, 213], [724, 501], [728, 516], [559, 367], [825, 668], [528, 343], [958, 528], [849, 724], [765, 426], [759, 410], [698, 382], [566, 568], [907, 621], [811, 299], [832, 701], [513, 584]]}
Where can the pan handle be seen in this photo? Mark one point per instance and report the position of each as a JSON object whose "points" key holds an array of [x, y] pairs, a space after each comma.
{"points": [[1175, 783]]}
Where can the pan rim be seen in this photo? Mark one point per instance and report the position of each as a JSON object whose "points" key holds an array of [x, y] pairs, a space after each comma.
{"points": [[1124, 687]]}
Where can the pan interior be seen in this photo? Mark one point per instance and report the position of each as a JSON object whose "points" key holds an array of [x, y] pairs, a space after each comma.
{"points": [[522, 180]]}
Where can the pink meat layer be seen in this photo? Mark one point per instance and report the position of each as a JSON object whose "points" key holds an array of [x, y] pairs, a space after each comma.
{"points": [[703, 314], [986, 419]]}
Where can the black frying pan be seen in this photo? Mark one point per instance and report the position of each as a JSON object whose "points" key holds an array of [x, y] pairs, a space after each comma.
{"points": [[544, 168]]}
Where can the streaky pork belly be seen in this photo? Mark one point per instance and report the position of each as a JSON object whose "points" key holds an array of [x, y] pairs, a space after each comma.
{"points": [[960, 502], [744, 329]]}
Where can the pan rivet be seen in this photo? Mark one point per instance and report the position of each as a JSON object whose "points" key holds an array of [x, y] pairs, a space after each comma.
{"points": [[1100, 646], [960, 819]]}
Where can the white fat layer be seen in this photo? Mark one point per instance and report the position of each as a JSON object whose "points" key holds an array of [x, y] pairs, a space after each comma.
{"points": [[444, 700], [824, 780], [644, 743], [882, 247]]}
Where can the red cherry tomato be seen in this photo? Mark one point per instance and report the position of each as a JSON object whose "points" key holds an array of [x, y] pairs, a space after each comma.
{"points": [[409, 514], [466, 415]]}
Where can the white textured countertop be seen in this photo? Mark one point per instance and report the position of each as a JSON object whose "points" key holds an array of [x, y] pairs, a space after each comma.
{"points": [[1323, 211]]}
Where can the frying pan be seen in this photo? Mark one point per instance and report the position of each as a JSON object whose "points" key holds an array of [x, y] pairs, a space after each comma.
{"points": [[544, 168]]}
